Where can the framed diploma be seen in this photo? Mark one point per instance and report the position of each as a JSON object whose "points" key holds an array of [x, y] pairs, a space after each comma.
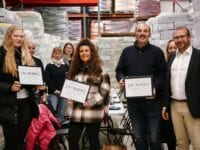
{"points": [[30, 75], [138, 86], [75, 90]]}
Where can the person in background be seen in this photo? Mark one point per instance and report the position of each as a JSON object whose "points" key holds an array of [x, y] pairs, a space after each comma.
{"points": [[168, 135], [170, 50], [144, 59], [41, 90], [17, 105], [183, 91], [55, 74], [68, 51], [86, 67]]}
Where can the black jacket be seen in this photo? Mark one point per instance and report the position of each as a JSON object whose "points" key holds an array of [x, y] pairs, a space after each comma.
{"points": [[8, 100], [192, 84]]}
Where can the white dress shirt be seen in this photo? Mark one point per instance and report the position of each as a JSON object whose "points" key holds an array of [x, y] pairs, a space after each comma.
{"points": [[179, 70]]}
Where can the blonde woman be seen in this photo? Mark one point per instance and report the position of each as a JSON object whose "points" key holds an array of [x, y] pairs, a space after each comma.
{"points": [[17, 106], [55, 74]]}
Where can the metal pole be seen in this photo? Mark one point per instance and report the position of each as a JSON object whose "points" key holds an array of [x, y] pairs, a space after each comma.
{"points": [[99, 19], [84, 22]]}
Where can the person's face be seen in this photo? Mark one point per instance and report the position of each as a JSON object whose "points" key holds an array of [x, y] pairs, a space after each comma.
{"points": [[172, 48], [57, 55], [181, 39], [142, 33], [31, 48], [85, 53], [17, 38], [68, 50]]}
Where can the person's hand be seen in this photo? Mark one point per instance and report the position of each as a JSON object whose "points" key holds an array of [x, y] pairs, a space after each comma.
{"points": [[16, 86], [86, 104], [165, 114], [41, 87], [122, 83], [57, 92], [153, 96]]}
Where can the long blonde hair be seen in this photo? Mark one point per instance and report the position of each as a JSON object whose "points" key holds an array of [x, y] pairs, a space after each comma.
{"points": [[10, 65]]}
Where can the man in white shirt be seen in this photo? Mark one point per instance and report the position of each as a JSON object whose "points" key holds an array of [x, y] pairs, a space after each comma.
{"points": [[183, 91]]}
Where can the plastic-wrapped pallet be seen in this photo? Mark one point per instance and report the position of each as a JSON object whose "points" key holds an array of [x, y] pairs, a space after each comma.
{"points": [[125, 6], [147, 8], [105, 6], [32, 21], [196, 25], [7, 18], [75, 30], [55, 21], [73, 9]]}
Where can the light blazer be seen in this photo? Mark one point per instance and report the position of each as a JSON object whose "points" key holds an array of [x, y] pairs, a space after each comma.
{"points": [[192, 83]]}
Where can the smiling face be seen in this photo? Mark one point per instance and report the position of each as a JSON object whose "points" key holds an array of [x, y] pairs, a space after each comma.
{"points": [[31, 47], [142, 34], [182, 39], [68, 50], [85, 53], [172, 48], [17, 38]]}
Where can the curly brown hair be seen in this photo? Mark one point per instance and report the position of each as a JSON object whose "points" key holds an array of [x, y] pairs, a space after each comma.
{"points": [[94, 67]]}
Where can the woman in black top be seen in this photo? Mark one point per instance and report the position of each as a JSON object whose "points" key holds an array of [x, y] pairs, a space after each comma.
{"points": [[55, 74], [17, 106]]}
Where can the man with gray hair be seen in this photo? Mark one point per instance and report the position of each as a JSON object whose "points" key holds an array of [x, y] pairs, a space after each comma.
{"points": [[139, 60]]}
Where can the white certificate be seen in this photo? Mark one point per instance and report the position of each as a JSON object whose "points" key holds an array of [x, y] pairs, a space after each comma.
{"points": [[139, 86], [75, 90], [30, 75]]}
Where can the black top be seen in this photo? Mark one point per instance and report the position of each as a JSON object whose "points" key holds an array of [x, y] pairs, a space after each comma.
{"points": [[55, 76], [148, 60]]}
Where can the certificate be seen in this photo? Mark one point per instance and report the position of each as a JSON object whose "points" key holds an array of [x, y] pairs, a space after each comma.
{"points": [[75, 90], [30, 75], [139, 86]]}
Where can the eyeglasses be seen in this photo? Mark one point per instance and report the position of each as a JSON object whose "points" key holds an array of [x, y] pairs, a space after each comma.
{"points": [[179, 37]]}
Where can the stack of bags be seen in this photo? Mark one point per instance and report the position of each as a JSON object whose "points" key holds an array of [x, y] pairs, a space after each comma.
{"points": [[105, 6], [32, 21], [125, 6], [75, 30], [147, 8], [55, 21]]}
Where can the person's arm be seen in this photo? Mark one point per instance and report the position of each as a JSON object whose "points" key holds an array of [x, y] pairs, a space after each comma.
{"points": [[160, 76], [48, 78], [119, 70], [101, 96]]}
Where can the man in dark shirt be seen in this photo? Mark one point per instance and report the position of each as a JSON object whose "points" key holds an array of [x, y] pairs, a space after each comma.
{"points": [[144, 59]]}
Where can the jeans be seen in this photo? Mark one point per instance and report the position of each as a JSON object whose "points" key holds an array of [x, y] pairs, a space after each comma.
{"points": [[58, 105], [146, 121], [92, 131]]}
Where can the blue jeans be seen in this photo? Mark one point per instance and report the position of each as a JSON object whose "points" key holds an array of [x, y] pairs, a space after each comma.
{"points": [[146, 121], [58, 104]]}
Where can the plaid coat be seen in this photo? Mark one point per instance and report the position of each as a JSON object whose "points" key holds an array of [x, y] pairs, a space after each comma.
{"points": [[98, 99]]}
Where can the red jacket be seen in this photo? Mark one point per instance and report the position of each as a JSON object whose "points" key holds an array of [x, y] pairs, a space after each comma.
{"points": [[41, 129]]}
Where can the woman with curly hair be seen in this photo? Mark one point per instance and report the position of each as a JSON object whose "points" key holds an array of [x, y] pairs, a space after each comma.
{"points": [[17, 105], [86, 67]]}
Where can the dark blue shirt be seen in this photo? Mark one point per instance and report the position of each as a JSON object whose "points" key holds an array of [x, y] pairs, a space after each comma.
{"points": [[148, 60]]}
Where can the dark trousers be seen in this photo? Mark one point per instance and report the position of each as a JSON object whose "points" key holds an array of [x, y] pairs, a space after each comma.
{"points": [[146, 121], [14, 134], [92, 131]]}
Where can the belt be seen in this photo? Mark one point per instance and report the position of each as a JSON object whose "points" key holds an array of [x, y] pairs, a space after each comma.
{"points": [[180, 100]]}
